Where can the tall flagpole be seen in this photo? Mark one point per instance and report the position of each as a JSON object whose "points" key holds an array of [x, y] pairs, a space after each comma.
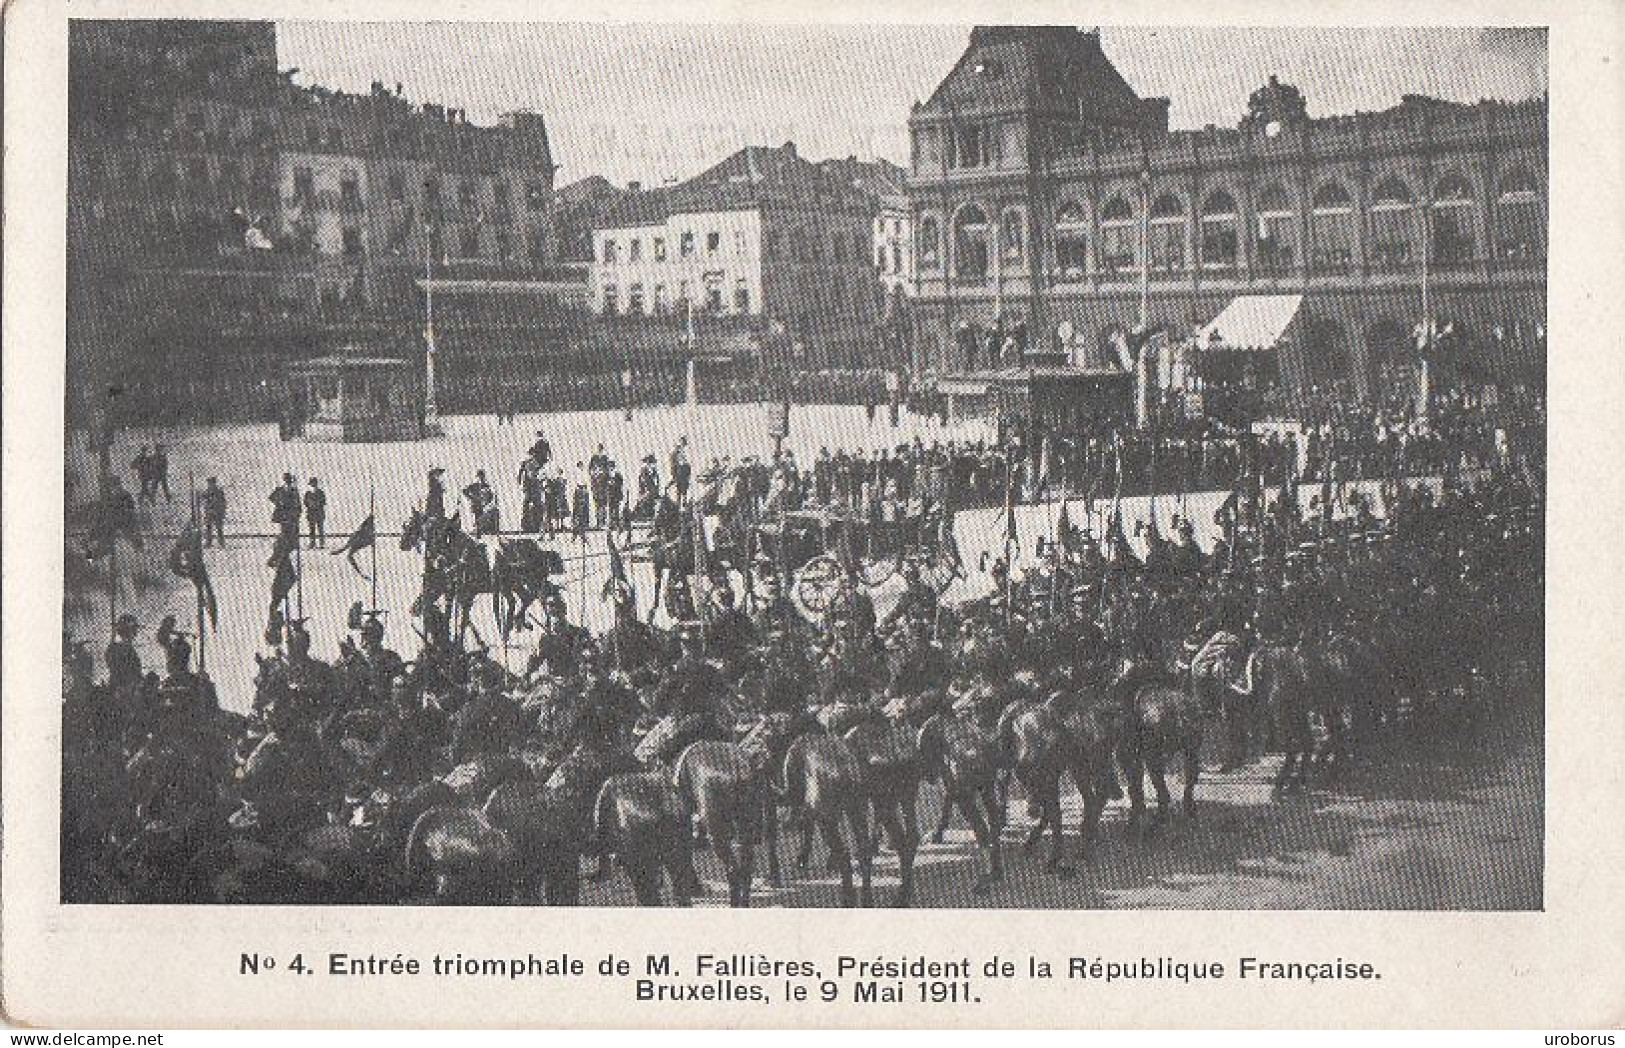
{"points": [[431, 410], [372, 515], [298, 574], [202, 643], [1424, 378]]}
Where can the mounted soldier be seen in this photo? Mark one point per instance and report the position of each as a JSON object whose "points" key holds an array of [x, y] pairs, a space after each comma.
{"points": [[124, 673], [690, 702], [380, 665]]}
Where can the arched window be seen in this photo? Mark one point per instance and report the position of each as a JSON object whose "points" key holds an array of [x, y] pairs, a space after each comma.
{"points": [[1119, 241], [1071, 241], [1395, 229], [970, 259], [1275, 249], [930, 243], [1453, 240], [1331, 228], [1013, 235], [1520, 227], [1220, 249], [1167, 234]]}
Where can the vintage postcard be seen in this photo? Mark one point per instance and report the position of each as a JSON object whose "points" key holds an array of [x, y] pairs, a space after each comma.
{"points": [[689, 516]]}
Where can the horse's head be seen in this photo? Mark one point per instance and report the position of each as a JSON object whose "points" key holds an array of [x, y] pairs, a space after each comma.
{"points": [[412, 531]]}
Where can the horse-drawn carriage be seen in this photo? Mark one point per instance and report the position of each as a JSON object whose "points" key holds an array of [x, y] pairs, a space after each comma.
{"points": [[822, 548]]}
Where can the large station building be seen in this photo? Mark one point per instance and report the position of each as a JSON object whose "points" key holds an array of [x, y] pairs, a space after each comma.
{"points": [[1049, 197]]}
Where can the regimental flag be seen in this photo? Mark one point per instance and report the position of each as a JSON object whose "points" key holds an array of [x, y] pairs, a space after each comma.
{"points": [[702, 563], [366, 535], [618, 583], [1011, 471], [186, 560]]}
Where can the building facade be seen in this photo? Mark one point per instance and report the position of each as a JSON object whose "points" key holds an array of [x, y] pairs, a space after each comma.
{"points": [[224, 221], [374, 188], [765, 242], [1047, 195]]}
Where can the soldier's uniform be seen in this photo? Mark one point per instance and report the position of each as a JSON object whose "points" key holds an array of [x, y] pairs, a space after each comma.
{"points": [[286, 507], [124, 673], [434, 503], [381, 664]]}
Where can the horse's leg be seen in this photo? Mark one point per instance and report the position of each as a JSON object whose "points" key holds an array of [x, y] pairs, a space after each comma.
{"points": [[902, 828], [1057, 856], [745, 844], [829, 825], [946, 814], [563, 878], [1283, 778], [770, 826], [995, 830], [988, 798], [1134, 776], [1156, 767], [804, 852], [857, 816], [1092, 789], [1193, 771], [679, 865], [645, 875], [722, 848], [654, 604], [1035, 798]]}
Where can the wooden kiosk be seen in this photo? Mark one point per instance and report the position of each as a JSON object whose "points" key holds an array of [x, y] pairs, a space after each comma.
{"points": [[1052, 396], [353, 399]]}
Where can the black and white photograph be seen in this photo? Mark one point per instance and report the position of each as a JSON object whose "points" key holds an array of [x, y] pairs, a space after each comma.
{"points": [[1038, 467]]}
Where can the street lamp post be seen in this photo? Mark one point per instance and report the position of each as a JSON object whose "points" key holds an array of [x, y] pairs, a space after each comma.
{"points": [[431, 410]]}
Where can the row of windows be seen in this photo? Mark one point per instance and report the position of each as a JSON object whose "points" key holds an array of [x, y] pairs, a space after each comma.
{"points": [[658, 251], [834, 297], [660, 305], [1396, 230], [468, 191], [800, 246]]}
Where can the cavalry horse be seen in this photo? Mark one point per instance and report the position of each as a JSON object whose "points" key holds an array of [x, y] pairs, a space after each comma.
{"points": [[458, 568], [1161, 718]]}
